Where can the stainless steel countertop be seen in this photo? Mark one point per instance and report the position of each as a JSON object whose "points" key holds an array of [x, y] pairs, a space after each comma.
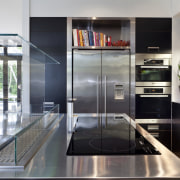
{"points": [[51, 162]]}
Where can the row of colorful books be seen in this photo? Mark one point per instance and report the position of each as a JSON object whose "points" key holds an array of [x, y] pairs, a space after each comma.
{"points": [[90, 38]]}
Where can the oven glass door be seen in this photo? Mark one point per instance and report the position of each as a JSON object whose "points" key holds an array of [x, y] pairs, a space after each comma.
{"points": [[153, 73], [153, 106]]}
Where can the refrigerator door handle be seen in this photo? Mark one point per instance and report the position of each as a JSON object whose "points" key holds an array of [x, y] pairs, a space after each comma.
{"points": [[105, 93], [98, 101], [105, 99]]}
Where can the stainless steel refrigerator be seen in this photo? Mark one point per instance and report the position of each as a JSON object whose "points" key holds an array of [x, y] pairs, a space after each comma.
{"points": [[101, 81], [101, 87]]}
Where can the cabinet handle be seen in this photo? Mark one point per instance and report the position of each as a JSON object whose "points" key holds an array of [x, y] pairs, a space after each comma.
{"points": [[154, 96], [153, 127], [154, 67], [156, 135], [153, 48]]}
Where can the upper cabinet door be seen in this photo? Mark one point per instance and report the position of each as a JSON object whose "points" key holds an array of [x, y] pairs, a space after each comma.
{"points": [[153, 35]]}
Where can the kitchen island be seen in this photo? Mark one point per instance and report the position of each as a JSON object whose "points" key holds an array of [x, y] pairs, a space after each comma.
{"points": [[51, 161]]}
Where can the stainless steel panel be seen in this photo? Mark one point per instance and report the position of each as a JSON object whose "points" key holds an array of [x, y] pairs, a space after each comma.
{"points": [[69, 58], [149, 121], [86, 70], [155, 67], [166, 90], [115, 67], [141, 57], [155, 96], [153, 83], [52, 162], [132, 70]]}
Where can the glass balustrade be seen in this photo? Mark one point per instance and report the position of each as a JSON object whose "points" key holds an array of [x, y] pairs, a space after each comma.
{"points": [[26, 115]]}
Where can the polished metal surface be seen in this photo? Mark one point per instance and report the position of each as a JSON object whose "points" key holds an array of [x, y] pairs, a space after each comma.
{"points": [[149, 121], [51, 161], [116, 81], [153, 83], [154, 95], [111, 67], [165, 90], [155, 67], [165, 57], [105, 94], [97, 95], [69, 58], [104, 48], [132, 68], [86, 68], [151, 47]]}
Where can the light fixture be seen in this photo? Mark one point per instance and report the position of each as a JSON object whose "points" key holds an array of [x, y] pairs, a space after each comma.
{"points": [[94, 17]]}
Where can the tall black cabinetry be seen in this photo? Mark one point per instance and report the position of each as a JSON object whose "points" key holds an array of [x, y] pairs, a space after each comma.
{"points": [[153, 35], [50, 35]]}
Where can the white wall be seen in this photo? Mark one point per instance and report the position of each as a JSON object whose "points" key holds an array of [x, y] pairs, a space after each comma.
{"points": [[176, 58], [175, 50], [175, 7], [100, 8], [11, 16]]}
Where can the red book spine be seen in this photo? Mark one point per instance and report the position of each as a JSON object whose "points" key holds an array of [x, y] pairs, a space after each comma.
{"points": [[78, 37]]}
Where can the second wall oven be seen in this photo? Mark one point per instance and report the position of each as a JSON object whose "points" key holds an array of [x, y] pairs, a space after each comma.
{"points": [[153, 102]]}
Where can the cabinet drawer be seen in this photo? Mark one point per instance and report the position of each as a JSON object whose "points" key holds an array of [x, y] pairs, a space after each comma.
{"points": [[162, 132]]}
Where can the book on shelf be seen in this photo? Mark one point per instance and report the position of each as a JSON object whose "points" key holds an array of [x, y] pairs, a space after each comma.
{"points": [[109, 40], [85, 38], [76, 37], [91, 39], [94, 38], [97, 39], [81, 38], [101, 39]]}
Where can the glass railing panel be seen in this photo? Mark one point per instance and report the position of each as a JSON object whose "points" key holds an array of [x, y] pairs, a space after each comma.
{"points": [[7, 150], [29, 139], [22, 134], [23, 66]]}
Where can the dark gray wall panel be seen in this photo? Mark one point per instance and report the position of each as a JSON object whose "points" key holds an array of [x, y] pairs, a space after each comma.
{"points": [[49, 34]]}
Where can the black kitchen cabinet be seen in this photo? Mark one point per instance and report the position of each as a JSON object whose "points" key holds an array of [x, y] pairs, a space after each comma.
{"points": [[50, 34], [153, 35], [162, 132]]}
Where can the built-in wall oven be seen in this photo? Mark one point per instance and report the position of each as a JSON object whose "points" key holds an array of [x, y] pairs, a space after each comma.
{"points": [[153, 88], [153, 103], [153, 70]]}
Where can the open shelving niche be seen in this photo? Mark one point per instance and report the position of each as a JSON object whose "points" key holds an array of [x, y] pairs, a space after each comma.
{"points": [[117, 29]]}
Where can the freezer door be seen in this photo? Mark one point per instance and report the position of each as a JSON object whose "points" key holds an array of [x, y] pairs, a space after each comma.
{"points": [[115, 81], [86, 80]]}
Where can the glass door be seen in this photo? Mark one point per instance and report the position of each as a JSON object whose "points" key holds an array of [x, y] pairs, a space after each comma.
{"points": [[1, 86], [10, 85]]}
